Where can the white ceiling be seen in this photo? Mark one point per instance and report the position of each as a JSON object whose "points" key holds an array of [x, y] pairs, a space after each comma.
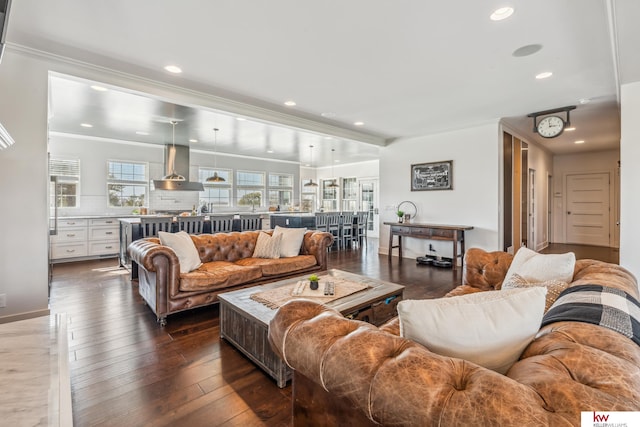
{"points": [[403, 68]]}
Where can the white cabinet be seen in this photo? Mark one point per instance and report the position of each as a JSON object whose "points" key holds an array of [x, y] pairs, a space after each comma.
{"points": [[103, 237], [71, 240], [85, 237]]}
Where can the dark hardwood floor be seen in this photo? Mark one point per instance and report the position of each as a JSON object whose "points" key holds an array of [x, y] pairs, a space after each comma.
{"points": [[128, 371]]}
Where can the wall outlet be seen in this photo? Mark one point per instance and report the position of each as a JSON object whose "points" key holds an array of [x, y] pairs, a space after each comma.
{"points": [[3, 300]]}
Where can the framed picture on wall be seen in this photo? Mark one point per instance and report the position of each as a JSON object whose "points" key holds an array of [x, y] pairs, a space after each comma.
{"points": [[432, 176]]}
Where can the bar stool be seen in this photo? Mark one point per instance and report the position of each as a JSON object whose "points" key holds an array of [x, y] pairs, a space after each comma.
{"points": [[346, 229], [250, 222], [221, 223], [333, 227], [360, 228], [321, 221], [191, 224], [151, 225]]}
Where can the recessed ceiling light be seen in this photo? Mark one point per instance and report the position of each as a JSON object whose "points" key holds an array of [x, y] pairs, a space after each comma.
{"points": [[290, 103], [270, 151], [193, 140], [544, 75], [580, 141], [328, 137], [571, 129], [86, 125], [240, 119], [502, 13], [173, 69], [358, 123], [139, 132], [99, 88], [585, 100]]}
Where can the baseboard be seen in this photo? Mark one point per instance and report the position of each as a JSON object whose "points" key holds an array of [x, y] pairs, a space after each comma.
{"points": [[24, 316]]}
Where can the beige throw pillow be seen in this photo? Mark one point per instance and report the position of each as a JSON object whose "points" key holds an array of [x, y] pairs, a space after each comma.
{"points": [[267, 246], [535, 267], [291, 240], [554, 287], [490, 329], [184, 248]]}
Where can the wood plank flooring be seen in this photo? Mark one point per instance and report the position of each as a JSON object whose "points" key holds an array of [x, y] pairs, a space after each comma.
{"points": [[128, 371]]}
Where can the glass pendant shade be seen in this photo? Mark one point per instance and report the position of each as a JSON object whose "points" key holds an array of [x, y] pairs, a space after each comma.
{"points": [[215, 177], [333, 183], [311, 183]]}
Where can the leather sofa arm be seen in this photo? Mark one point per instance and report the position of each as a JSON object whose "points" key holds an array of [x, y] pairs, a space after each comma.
{"points": [[395, 381], [483, 271], [317, 243], [145, 252]]}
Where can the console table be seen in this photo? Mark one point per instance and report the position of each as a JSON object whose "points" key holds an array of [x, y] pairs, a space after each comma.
{"points": [[452, 233]]}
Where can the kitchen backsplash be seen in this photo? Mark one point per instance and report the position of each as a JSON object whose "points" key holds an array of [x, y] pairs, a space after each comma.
{"points": [[160, 200]]}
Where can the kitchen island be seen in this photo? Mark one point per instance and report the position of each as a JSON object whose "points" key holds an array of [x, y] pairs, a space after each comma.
{"points": [[130, 230]]}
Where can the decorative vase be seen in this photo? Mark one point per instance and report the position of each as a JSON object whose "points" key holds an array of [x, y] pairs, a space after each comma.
{"points": [[400, 220], [313, 285]]}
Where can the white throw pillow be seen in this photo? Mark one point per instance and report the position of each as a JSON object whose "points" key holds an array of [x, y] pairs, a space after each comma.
{"points": [[490, 329], [184, 248], [267, 246], [291, 240], [535, 267]]}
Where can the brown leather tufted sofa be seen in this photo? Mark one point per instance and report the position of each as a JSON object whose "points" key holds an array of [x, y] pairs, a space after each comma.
{"points": [[227, 265], [352, 373]]}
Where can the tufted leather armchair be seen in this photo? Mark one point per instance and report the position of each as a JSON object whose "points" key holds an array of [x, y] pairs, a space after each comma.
{"points": [[352, 373]]}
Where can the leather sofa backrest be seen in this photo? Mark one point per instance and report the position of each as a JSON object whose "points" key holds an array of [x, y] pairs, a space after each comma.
{"points": [[225, 246]]}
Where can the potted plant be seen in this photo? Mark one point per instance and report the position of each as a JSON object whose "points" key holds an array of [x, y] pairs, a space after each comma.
{"points": [[313, 281], [400, 215]]}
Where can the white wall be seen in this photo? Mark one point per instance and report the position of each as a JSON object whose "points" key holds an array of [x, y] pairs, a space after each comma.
{"points": [[630, 178], [23, 189], [473, 201], [563, 165]]}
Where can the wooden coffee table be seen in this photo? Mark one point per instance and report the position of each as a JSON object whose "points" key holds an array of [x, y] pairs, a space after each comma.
{"points": [[245, 323]]}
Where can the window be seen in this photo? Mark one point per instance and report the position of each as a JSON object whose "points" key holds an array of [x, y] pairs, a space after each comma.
{"points": [[67, 174], [349, 194], [126, 183], [329, 196], [215, 193], [250, 188], [280, 189]]}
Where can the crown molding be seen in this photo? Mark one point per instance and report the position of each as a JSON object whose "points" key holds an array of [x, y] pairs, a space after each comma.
{"points": [[190, 97]]}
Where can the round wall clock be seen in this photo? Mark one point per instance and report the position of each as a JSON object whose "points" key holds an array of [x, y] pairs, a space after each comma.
{"points": [[551, 126]]}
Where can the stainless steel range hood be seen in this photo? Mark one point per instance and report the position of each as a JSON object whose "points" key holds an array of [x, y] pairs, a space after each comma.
{"points": [[176, 160]]}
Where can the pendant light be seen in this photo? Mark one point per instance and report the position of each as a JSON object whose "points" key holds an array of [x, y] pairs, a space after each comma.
{"points": [[215, 177], [333, 183], [173, 176], [311, 183]]}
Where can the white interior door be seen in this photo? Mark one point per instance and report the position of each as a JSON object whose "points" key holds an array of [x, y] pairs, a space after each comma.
{"points": [[368, 189], [588, 209]]}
